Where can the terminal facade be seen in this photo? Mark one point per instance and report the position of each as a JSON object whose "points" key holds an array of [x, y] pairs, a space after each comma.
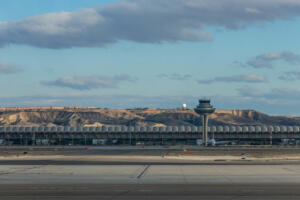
{"points": [[136, 135]]}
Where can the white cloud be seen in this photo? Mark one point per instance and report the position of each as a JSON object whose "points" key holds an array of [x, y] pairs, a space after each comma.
{"points": [[9, 69], [89, 82], [150, 21], [283, 96], [175, 76], [267, 60], [246, 78], [290, 76]]}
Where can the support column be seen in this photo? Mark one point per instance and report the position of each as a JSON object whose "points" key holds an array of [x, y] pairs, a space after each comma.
{"points": [[271, 138], [130, 138], [33, 139], [204, 131]]}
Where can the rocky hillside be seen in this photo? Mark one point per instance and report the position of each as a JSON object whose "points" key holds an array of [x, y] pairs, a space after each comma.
{"points": [[138, 117]]}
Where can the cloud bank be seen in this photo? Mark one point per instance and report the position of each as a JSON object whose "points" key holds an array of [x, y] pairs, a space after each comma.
{"points": [[145, 21], [9, 69], [89, 82], [275, 101], [275, 93], [243, 78], [278, 96], [267, 60], [290, 76], [175, 76], [283, 101], [103, 101]]}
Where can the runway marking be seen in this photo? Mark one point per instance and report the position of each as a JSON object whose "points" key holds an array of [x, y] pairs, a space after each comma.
{"points": [[17, 171], [143, 172], [183, 175], [291, 170], [53, 173]]}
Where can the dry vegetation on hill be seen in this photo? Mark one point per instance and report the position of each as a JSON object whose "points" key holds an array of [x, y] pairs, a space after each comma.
{"points": [[137, 117]]}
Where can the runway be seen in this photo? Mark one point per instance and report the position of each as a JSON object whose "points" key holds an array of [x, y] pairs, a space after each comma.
{"points": [[157, 192], [22, 178], [149, 174]]}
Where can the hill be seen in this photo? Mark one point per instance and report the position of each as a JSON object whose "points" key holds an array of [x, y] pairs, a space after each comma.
{"points": [[135, 117]]}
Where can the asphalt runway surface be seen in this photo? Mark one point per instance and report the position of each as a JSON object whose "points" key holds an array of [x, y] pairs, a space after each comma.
{"points": [[145, 162], [142, 179], [146, 151], [153, 192], [124, 182]]}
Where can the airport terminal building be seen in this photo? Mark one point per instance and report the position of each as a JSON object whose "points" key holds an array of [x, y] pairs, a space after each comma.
{"points": [[146, 135]]}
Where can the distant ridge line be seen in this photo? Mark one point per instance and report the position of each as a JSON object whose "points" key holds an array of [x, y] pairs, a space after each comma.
{"points": [[43, 108]]}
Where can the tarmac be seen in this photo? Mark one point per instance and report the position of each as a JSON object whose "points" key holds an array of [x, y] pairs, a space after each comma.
{"points": [[149, 192], [27, 178]]}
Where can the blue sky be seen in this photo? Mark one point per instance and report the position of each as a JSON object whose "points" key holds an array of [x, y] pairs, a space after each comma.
{"points": [[150, 53]]}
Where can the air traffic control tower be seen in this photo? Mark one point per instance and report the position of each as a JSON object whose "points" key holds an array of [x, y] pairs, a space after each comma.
{"points": [[204, 109]]}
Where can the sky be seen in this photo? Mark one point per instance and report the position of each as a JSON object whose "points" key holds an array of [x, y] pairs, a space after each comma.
{"points": [[151, 53]]}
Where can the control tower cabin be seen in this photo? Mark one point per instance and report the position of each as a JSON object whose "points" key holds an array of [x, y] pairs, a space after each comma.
{"points": [[205, 109]]}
